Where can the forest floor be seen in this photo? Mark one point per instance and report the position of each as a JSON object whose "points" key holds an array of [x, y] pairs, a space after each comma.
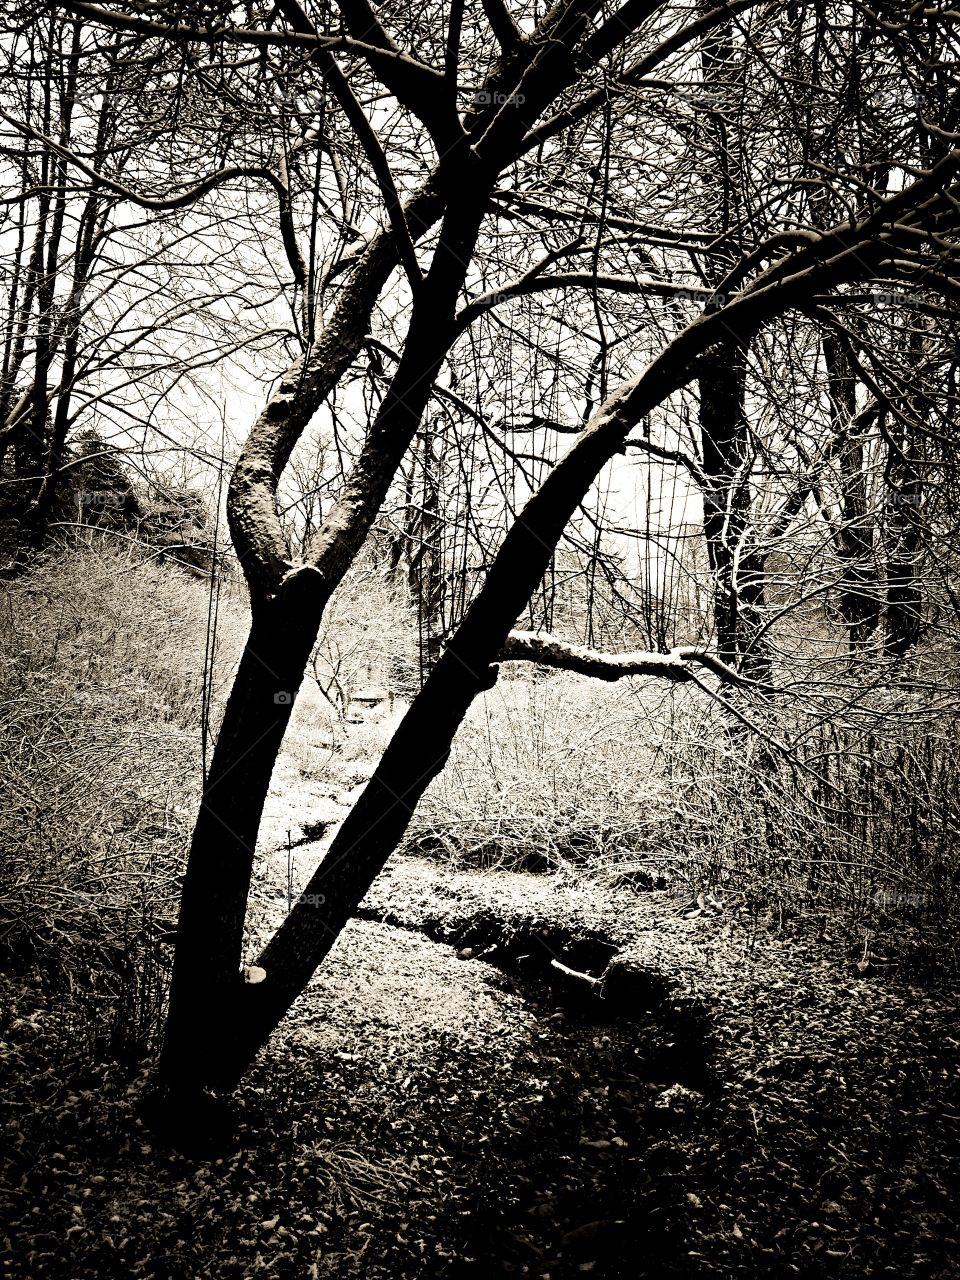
{"points": [[513, 1074]]}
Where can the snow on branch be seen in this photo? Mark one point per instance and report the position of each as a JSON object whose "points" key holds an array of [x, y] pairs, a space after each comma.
{"points": [[548, 651]]}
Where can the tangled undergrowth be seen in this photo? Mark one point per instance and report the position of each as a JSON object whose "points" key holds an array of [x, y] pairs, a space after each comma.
{"points": [[853, 822]]}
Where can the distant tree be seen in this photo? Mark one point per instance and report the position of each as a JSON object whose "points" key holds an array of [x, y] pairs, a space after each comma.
{"points": [[109, 309]]}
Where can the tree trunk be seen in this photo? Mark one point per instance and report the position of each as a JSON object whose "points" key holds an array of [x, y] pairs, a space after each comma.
{"points": [[206, 975], [858, 588], [425, 572], [737, 566], [903, 516], [208, 993], [903, 520], [421, 744]]}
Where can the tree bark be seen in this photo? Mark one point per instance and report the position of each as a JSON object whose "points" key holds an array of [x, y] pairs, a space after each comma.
{"points": [[207, 1046], [858, 588], [206, 971], [421, 744], [737, 565]]}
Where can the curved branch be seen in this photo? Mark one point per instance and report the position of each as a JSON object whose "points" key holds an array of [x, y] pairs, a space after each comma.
{"points": [[256, 36], [168, 203], [600, 43], [414, 85], [506, 32], [145, 202], [678, 456], [534, 282], [689, 239]]}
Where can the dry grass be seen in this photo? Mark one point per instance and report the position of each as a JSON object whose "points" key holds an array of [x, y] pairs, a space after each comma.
{"points": [[100, 704], [860, 820], [544, 774], [100, 708], [653, 786]]}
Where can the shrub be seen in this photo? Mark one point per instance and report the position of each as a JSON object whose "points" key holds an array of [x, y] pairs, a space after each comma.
{"points": [[854, 818]]}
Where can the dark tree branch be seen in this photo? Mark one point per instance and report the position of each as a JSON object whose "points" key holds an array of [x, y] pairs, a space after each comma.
{"points": [[634, 74], [368, 140], [258, 37], [417, 87], [508, 35]]}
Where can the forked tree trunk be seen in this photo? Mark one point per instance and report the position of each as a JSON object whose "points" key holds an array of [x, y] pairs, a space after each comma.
{"points": [[417, 752], [217, 1022], [207, 991], [214, 900]]}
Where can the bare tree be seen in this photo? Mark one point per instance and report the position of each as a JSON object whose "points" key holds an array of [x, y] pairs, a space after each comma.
{"points": [[563, 133]]}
